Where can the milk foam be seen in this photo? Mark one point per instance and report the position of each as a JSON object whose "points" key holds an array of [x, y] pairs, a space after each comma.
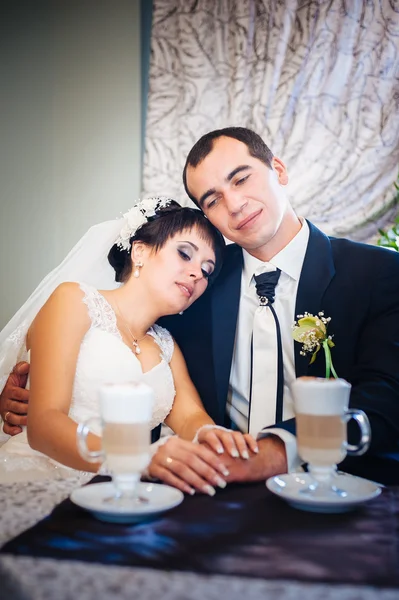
{"points": [[126, 403], [317, 396]]}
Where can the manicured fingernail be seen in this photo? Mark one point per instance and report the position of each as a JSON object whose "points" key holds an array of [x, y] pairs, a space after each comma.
{"points": [[208, 489], [220, 482], [220, 450], [245, 454], [224, 471], [234, 453], [256, 449], [190, 491]]}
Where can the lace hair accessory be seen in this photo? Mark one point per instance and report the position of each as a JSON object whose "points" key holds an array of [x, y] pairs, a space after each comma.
{"points": [[137, 216]]}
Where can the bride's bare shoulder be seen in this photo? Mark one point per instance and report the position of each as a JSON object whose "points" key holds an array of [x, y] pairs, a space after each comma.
{"points": [[69, 293], [65, 307], [69, 288]]}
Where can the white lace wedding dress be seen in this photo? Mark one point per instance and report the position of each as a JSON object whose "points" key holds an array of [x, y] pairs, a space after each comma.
{"points": [[103, 358]]}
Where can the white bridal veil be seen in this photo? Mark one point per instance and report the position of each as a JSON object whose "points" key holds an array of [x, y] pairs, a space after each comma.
{"points": [[87, 262]]}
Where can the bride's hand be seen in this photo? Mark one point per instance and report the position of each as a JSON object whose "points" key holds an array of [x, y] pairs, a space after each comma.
{"points": [[235, 443], [189, 467]]}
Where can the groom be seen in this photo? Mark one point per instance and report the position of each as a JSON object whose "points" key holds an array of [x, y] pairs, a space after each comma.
{"points": [[234, 178]]}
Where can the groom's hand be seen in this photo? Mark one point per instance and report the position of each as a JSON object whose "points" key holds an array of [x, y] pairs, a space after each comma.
{"points": [[14, 400], [271, 460]]}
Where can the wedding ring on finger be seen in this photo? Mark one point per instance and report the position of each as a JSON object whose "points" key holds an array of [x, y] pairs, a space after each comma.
{"points": [[6, 416]]}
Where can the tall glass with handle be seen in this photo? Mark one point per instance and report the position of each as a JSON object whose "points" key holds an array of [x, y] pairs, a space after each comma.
{"points": [[126, 411], [322, 414]]}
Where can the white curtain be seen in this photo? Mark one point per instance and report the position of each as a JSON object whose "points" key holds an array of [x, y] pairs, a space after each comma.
{"points": [[318, 80]]}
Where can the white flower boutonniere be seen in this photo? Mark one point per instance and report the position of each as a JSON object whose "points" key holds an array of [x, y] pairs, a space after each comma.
{"points": [[311, 332]]}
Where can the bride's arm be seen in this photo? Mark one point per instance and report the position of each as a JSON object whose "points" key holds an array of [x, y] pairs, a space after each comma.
{"points": [[188, 415], [54, 340], [182, 463]]}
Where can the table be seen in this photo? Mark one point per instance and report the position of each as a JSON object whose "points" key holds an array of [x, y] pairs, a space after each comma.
{"points": [[30, 578]]}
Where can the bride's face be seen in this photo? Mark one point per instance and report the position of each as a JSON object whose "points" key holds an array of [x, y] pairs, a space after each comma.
{"points": [[177, 274]]}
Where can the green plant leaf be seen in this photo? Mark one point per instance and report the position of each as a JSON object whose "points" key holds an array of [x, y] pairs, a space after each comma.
{"points": [[314, 356], [390, 238]]}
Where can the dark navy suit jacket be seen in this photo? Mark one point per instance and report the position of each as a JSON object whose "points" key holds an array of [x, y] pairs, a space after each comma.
{"points": [[357, 285]]}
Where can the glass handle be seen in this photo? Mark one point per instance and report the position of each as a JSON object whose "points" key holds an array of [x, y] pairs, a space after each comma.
{"points": [[364, 424], [82, 432]]}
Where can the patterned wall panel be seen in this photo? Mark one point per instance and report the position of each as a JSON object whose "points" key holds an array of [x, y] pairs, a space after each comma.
{"points": [[318, 80]]}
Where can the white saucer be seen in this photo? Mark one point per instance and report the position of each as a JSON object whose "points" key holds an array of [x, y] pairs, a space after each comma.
{"points": [[290, 487], [93, 498]]}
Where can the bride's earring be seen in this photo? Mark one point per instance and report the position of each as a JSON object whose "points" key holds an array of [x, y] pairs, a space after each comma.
{"points": [[137, 267]]}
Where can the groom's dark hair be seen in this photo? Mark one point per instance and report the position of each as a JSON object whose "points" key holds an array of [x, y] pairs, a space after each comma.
{"points": [[166, 223], [256, 148]]}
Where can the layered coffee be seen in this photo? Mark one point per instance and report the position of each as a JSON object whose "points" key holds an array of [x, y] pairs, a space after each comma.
{"points": [[126, 411], [321, 438], [320, 408], [126, 446], [322, 413]]}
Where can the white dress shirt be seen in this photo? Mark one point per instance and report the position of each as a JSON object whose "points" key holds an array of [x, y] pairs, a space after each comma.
{"points": [[289, 260]]}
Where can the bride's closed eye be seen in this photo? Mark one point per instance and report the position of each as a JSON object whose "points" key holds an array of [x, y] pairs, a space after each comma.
{"points": [[206, 267], [207, 270], [183, 254]]}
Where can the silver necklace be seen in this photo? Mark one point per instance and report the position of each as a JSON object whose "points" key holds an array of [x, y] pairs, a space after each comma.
{"points": [[135, 341]]}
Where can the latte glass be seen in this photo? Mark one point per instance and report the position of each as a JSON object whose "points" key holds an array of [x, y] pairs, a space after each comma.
{"points": [[126, 436], [322, 414]]}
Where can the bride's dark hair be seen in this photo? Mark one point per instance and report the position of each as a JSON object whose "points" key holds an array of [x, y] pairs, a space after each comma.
{"points": [[166, 223]]}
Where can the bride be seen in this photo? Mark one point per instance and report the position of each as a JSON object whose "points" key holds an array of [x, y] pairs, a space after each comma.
{"points": [[78, 337]]}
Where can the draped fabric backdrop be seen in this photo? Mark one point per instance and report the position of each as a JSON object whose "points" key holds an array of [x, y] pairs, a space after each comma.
{"points": [[318, 80]]}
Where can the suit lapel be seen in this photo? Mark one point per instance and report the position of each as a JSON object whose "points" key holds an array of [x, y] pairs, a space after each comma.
{"points": [[317, 272], [225, 303]]}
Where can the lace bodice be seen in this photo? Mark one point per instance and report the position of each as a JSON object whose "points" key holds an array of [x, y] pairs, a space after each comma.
{"points": [[105, 358]]}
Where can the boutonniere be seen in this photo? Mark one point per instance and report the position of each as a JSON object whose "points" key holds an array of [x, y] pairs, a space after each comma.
{"points": [[311, 332]]}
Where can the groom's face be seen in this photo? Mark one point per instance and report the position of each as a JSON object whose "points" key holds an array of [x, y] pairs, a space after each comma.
{"points": [[239, 194]]}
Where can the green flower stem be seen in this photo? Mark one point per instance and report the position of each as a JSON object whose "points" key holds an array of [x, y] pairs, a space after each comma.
{"points": [[329, 365], [333, 370], [328, 358]]}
